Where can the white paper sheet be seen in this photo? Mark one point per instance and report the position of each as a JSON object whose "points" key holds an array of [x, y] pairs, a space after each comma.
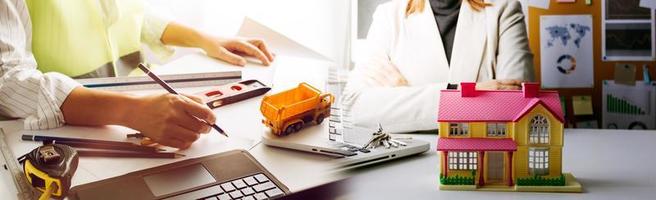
{"points": [[277, 43], [314, 72], [628, 107], [566, 51], [199, 62], [286, 70]]}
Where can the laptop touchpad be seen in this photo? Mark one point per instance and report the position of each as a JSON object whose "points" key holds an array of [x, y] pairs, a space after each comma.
{"points": [[179, 179]]}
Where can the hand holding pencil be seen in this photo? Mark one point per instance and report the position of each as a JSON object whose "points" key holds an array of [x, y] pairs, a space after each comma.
{"points": [[173, 119]]}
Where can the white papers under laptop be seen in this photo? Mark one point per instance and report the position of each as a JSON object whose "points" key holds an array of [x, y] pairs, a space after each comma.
{"points": [[200, 63], [277, 42]]}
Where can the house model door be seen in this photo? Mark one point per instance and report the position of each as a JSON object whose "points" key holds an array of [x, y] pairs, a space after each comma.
{"points": [[495, 170]]}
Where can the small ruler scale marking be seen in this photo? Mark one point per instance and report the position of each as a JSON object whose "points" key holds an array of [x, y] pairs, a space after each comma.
{"points": [[175, 80]]}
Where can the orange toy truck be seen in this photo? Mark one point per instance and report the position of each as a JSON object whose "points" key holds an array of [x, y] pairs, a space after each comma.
{"points": [[288, 111]]}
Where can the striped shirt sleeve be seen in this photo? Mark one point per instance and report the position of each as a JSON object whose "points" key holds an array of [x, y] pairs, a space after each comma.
{"points": [[26, 92]]}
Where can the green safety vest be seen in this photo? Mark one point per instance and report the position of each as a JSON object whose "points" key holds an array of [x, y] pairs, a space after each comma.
{"points": [[75, 37]]}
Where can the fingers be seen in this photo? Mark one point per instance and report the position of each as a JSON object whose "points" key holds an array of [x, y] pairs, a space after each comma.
{"points": [[392, 73], [260, 44], [190, 123], [182, 134], [382, 72], [509, 87], [377, 78], [196, 109], [251, 50], [510, 82], [499, 85], [230, 57], [195, 98], [178, 137]]}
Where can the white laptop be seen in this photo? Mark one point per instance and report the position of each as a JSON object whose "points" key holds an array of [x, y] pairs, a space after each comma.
{"points": [[321, 138], [314, 138]]}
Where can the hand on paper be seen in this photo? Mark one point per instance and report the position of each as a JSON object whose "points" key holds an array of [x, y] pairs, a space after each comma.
{"points": [[232, 50], [169, 119], [508, 84], [382, 72]]}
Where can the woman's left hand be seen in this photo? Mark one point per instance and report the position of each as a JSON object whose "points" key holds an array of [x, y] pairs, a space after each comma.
{"points": [[383, 73], [505, 84], [233, 50]]}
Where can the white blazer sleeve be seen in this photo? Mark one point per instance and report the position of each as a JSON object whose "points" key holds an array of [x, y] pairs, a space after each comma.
{"points": [[514, 58], [397, 109]]}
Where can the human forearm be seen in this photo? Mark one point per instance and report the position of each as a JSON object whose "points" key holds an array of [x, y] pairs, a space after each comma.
{"points": [[180, 35], [230, 50], [168, 119], [95, 107]]}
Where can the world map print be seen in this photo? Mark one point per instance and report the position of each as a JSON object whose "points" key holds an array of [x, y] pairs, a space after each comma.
{"points": [[566, 49], [562, 34]]}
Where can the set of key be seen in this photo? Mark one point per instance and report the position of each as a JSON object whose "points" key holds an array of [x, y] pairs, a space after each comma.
{"points": [[381, 138]]}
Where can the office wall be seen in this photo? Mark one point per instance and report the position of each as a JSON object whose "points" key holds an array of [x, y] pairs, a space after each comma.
{"points": [[318, 24], [603, 70]]}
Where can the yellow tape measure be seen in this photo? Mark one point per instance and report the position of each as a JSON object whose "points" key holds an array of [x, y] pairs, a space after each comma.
{"points": [[49, 168]]}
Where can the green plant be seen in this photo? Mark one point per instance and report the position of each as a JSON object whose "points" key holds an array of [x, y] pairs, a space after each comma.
{"points": [[541, 181], [457, 179]]}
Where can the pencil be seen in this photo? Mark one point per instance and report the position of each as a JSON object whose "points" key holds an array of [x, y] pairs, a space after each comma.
{"points": [[89, 143], [133, 148], [168, 88], [127, 154]]}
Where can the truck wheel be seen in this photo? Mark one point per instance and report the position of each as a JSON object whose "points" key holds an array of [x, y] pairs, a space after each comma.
{"points": [[289, 130], [320, 119], [298, 126]]}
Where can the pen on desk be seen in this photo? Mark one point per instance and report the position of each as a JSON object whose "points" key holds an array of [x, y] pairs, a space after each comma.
{"points": [[170, 90], [124, 154], [89, 142], [132, 148]]}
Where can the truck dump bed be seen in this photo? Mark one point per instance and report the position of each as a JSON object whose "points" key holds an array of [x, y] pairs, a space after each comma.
{"points": [[290, 103]]}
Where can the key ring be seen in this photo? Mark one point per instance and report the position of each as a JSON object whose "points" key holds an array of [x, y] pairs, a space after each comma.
{"points": [[381, 138]]}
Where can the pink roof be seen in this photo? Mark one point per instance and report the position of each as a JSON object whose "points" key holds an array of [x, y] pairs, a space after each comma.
{"points": [[476, 144], [495, 106]]}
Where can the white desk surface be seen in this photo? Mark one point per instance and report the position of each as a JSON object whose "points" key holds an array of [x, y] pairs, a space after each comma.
{"points": [[297, 170], [611, 164]]}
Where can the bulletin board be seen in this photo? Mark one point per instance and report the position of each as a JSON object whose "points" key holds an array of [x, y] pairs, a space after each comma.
{"points": [[603, 70]]}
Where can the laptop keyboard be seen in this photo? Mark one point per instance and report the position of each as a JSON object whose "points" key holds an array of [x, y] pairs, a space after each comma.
{"points": [[253, 187]]}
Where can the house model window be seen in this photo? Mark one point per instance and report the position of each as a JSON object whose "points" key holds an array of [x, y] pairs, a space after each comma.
{"points": [[458, 129], [496, 129], [463, 160], [539, 130], [538, 161]]}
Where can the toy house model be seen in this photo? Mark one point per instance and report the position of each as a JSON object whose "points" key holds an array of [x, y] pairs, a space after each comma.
{"points": [[502, 140]]}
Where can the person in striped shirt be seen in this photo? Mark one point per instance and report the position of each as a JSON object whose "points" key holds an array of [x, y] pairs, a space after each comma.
{"points": [[48, 98]]}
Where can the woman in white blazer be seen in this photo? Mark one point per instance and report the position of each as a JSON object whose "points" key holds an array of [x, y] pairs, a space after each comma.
{"points": [[405, 66]]}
